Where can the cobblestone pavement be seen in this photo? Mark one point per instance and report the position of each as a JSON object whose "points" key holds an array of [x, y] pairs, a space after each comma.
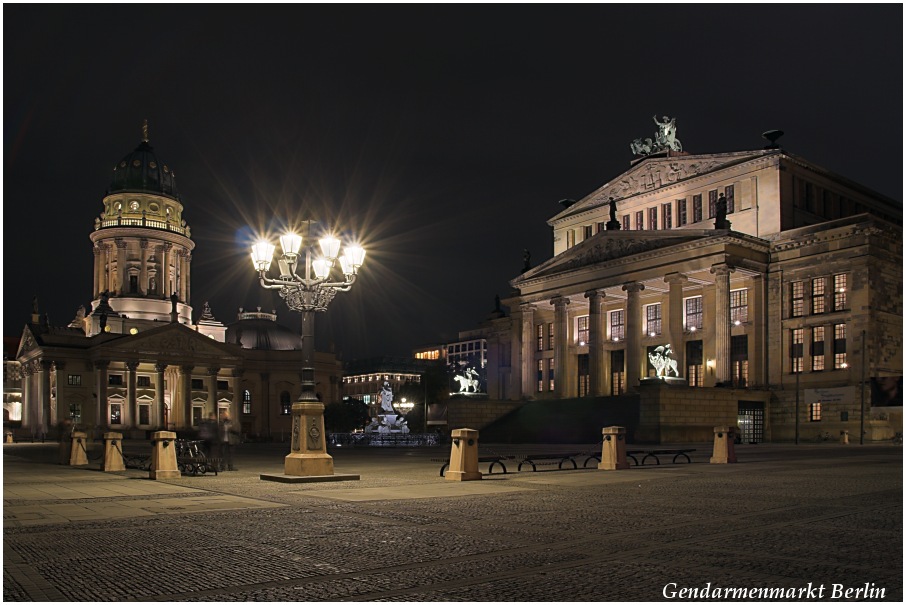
{"points": [[785, 517]]}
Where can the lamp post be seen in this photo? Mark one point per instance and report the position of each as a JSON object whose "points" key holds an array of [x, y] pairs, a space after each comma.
{"points": [[308, 285]]}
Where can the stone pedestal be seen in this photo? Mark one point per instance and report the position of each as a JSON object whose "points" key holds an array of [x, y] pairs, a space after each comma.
{"points": [[844, 437], [308, 455], [163, 456], [724, 452], [8, 437], [113, 454], [613, 449], [463, 456], [78, 455]]}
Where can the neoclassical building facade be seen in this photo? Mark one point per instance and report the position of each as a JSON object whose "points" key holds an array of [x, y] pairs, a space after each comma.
{"points": [[136, 362], [775, 285]]}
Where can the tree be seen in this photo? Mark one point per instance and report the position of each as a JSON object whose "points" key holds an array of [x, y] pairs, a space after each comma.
{"points": [[345, 416]]}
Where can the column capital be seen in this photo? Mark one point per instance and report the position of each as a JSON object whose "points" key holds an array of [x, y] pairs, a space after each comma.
{"points": [[132, 365], [102, 364], [596, 293], [213, 371], [143, 243], [722, 269], [675, 278], [238, 372], [120, 243], [560, 301], [633, 287], [97, 249], [160, 366], [59, 365], [186, 369], [46, 364], [527, 306]]}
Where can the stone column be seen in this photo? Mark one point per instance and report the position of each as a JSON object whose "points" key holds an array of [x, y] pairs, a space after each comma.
{"points": [[54, 413], [633, 334], [237, 394], [596, 338], [97, 270], [675, 319], [108, 274], [28, 396], [212, 390], [120, 266], [143, 276], [561, 348], [187, 282], [527, 350], [757, 314], [130, 414], [265, 411], [100, 371], [164, 276], [721, 272], [44, 369], [159, 272], [185, 391], [157, 416]]}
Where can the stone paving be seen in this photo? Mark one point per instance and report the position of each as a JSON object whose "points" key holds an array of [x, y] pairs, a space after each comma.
{"points": [[785, 517]]}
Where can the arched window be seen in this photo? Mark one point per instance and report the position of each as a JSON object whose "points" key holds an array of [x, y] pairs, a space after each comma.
{"points": [[286, 405], [246, 402]]}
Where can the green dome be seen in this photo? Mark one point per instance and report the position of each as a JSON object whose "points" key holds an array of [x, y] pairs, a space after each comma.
{"points": [[142, 172]]}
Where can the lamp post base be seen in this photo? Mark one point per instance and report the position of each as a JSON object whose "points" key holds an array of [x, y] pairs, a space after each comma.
{"points": [[308, 455], [306, 465]]}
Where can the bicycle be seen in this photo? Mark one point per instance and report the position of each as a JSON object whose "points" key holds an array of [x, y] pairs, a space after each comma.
{"points": [[824, 436], [897, 438]]}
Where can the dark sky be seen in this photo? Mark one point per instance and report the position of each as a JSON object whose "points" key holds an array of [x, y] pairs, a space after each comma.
{"points": [[443, 136]]}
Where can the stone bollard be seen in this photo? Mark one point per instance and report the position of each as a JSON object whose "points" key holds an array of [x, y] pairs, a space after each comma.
{"points": [[463, 456], [113, 454], [163, 456], [78, 455], [724, 452], [844, 437], [613, 450], [8, 438]]}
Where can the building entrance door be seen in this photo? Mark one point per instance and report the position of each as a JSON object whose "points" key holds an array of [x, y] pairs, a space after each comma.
{"points": [[751, 421]]}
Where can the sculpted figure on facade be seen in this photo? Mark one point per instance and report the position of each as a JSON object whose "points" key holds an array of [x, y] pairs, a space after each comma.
{"points": [[663, 362], [664, 139]]}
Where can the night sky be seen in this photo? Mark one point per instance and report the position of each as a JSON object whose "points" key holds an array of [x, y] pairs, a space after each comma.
{"points": [[442, 136]]}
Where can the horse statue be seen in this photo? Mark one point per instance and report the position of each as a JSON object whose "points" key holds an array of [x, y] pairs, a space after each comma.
{"points": [[661, 361], [466, 382]]}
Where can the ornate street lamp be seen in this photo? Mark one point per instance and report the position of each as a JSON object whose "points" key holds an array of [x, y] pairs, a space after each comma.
{"points": [[308, 285]]}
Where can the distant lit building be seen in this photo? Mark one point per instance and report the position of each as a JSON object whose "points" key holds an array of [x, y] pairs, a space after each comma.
{"points": [[797, 296], [363, 379], [134, 361]]}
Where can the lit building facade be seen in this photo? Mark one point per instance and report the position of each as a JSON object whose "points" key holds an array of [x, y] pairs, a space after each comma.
{"points": [[766, 275], [363, 379], [135, 362]]}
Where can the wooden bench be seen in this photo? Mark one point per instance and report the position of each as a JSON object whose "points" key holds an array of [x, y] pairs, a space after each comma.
{"points": [[655, 453], [494, 460]]}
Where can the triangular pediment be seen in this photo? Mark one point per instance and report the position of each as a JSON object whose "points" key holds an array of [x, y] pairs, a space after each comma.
{"points": [[27, 343], [170, 341], [654, 173], [611, 245]]}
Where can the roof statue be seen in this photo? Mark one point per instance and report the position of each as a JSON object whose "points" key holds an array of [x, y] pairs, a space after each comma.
{"points": [[145, 131], [664, 139]]}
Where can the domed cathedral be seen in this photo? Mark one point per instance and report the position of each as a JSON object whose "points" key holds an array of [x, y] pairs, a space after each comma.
{"points": [[135, 362], [142, 246]]}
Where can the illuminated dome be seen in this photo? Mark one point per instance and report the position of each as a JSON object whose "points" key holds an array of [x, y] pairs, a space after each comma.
{"points": [[257, 330], [142, 172]]}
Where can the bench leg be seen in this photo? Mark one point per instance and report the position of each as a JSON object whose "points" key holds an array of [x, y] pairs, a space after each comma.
{"points": [[443, 469], [631, 457], [560, 466], [688, 459]]}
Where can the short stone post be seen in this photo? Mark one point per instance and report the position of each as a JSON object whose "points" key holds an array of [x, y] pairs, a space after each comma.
{"points": [[463, 456], [844, 437], [8, 437], [724, 452], [77, 454], [113, 453], [163, 456], [613, 449]]}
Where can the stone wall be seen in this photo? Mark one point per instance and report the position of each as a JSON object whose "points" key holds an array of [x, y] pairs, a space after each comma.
{"points": [[477, 413]]}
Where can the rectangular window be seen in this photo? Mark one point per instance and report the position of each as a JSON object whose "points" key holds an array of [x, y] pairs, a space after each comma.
{"points": [[539, 337], [617, 325], [797, 294], [602, 227], [681, 218], [814, 412], [729, 194], [617, 373], [694, 313], [116, 413], [712, 203], [246, 408], [796, 349], [115, 380], [625, 222], [540, 375], [550, 337], [739, 306], [582, 362], [639, 220], [223, 385], [570, 238], [652, 219], [667, 216], [653, 319], [75, 380], [694, 363], [839, 346], [143, 381], [840, 292], [196, 415], [197, 384], [144, 414], [582, 329], [817, 296], [739, 360], [817, 348], [697, 208], [810, 197], [588, 232], [550, 373]]}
